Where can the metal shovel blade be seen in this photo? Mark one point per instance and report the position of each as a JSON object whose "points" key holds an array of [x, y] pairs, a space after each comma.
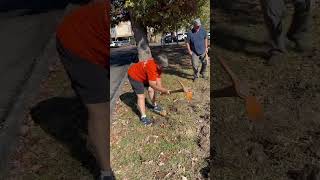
{"points": [[254, 108], [188, 91]]}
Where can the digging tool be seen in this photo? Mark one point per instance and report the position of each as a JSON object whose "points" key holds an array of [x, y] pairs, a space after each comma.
{"points": [[176, 91], [188, 91], [184, 89], [253, 107]]}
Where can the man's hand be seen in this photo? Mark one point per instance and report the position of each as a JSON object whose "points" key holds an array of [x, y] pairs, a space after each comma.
{"points": [[207, 50], [190, 52]]}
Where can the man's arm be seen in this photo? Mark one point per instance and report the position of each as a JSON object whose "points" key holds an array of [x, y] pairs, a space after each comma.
{"points": [[188, 44], [159, 82], [206, 44], [189, 49], [206, 41], [156, 87]]}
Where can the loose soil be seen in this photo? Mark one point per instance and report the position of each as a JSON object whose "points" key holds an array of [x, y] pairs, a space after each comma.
{"points": [[286, 143]]}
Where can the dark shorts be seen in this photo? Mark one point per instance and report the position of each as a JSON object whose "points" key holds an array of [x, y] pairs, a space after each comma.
{"points": [[89, 81], [138, 87]]}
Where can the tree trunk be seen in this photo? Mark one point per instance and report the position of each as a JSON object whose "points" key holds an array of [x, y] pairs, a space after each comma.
{"points": [[177, 35], [141, 38]]}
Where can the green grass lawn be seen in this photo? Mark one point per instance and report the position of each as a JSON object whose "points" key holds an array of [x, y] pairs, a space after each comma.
{"points": [[169, 148]]}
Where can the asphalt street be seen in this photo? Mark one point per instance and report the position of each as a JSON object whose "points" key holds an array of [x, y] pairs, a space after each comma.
{"points": [[121, 59]]}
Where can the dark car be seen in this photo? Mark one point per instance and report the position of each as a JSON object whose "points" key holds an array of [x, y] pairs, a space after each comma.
{"points": [[168, 39]]}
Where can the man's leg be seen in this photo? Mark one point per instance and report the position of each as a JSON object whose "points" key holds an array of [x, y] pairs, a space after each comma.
{"points": [[204, 65], [301, 24], [195, 65], [156, 107], [141, 104], [142, 109], [99, 133], [138, 88], [273, 11], [152, 96]]}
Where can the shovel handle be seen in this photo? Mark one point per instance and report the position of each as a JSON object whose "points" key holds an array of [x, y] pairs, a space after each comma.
{"points": [[176, 91], [233, 76], [183, 87]]}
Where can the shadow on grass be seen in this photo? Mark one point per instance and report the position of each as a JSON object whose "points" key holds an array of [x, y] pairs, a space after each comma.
{"points": [[174, 71], [177, 60], [130, 99], [240, 12], [229, 39], [66, 120], [205, 171], [228, 91]]}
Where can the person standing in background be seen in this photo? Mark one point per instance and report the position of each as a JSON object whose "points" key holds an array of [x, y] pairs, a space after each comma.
{"points": [[197, 45], [299, 32]]}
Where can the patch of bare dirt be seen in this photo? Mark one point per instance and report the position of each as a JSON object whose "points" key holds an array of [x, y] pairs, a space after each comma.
{"points": [[285, 145]]}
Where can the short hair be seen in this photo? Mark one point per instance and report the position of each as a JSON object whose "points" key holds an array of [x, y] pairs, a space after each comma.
{"points": [[162, 60]]}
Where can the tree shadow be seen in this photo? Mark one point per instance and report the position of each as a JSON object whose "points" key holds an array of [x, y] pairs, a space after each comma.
{"points": [[227, 38], [228, 91], [177, 58], [178, 73], [66, 120], [240, 12], [130, 99], [205, 171]]}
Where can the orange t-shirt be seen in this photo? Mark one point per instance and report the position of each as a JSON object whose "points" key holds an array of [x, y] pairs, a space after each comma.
{"points": [[85, 32], [145, 71]]}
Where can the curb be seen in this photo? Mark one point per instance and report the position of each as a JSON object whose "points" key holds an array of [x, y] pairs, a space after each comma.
{"points": [[119, 91], [117, 94]]}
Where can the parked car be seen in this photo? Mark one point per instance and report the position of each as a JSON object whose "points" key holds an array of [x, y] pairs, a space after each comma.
{"points": [[180, 37], [113, 44], [168, 39], [185, 35], [122, 43]]}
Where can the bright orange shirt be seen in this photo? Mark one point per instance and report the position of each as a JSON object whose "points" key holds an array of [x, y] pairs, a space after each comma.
{"points": [[145, 71], [85, 32]]}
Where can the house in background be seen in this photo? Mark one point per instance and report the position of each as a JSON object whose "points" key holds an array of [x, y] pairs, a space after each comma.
{"points": [[121, 32]]}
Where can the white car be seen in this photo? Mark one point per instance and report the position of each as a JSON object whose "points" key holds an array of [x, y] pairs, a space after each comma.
{"points": [[181, 37], [185, 35], [113, 44]]}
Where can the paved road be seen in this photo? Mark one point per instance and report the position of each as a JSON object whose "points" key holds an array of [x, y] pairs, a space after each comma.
{"points": [[23, 38], [120, 60]]}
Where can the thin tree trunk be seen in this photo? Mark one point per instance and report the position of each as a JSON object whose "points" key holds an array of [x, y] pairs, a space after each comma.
{"points": [[177, 38], [140, 35]]}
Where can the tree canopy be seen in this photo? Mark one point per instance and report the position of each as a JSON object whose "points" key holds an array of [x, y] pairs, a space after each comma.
{"points": [[162, 15]]}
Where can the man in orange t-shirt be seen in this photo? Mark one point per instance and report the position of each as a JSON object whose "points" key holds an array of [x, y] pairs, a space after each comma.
{"points": [[147, 74], [83, 45]]}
